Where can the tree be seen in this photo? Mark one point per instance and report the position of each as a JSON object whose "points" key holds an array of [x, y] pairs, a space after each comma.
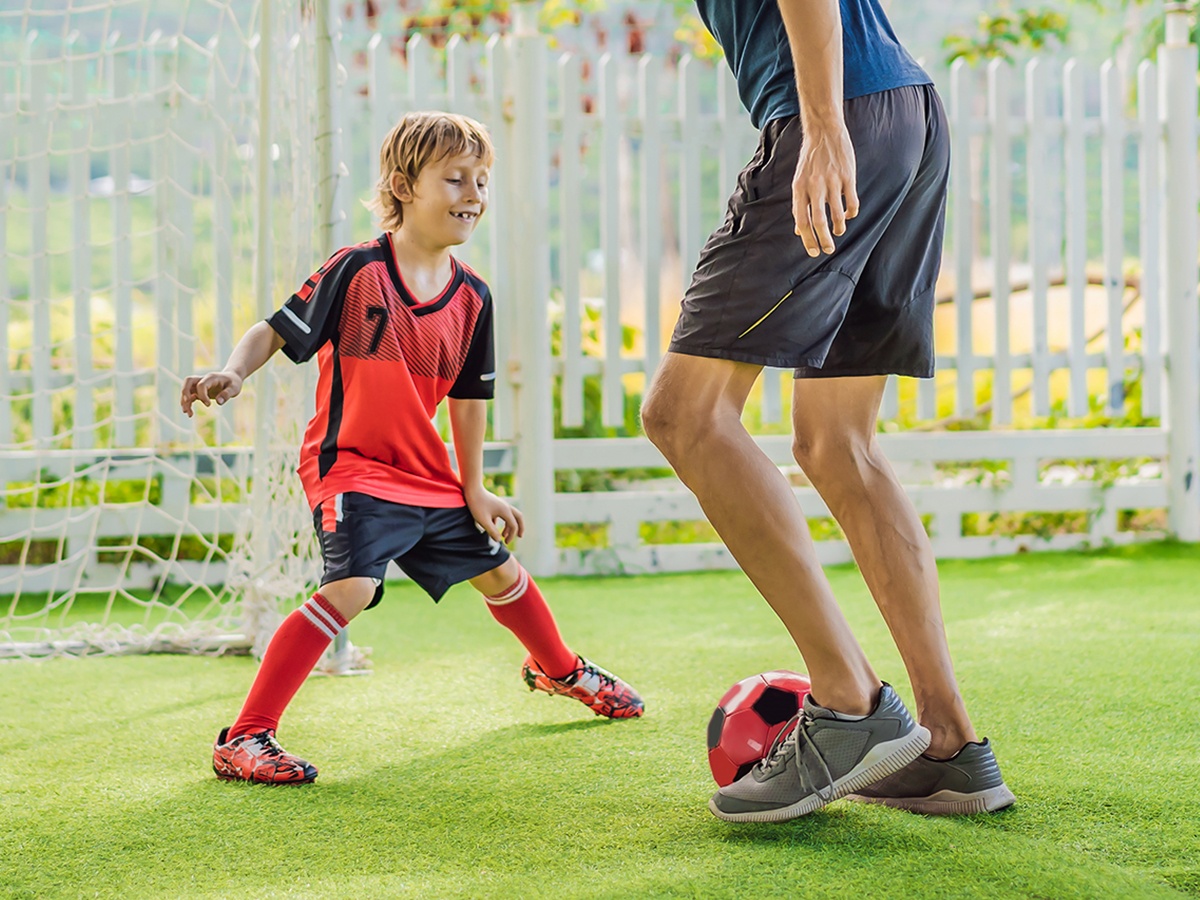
{"points": [[607, 24], [1000, 34]]}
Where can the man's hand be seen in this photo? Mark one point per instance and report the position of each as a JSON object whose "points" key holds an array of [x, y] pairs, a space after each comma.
{"points": [[218, 386], [823, 190], [486, 508]]}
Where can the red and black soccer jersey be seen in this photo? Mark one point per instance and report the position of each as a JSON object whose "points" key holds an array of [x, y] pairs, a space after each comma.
{"points": [[386, 361]]}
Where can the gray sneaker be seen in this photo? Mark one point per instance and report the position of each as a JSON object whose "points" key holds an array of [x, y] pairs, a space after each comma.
{"points": [[968, 782], [824, 757]]}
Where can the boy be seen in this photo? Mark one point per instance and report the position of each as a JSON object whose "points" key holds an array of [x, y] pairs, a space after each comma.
{"points": [[397, 324]]}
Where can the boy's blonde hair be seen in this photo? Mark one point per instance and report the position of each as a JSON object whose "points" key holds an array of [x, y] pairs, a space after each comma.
{"points": [[417, 140]]}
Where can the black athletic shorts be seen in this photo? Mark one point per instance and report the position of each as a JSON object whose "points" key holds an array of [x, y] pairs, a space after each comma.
{"points": [[435, 547], [865, 309]]}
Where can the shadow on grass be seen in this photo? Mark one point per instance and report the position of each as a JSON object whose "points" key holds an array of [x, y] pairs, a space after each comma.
{"points": [[842, 822], [569, 812]]}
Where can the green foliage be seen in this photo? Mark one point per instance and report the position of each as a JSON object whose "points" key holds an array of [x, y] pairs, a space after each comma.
{"points": [[1151, 30], [463, 785], [52, 492], [150, 548], [1000, 34], [438, 20]]}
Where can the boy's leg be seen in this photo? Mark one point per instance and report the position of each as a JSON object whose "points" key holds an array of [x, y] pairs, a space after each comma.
{"points": [[296, 647], [248, 751], [516, 602]]}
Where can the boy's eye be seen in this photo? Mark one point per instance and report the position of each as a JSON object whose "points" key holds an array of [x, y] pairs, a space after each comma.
{"points": [[454, 180]]}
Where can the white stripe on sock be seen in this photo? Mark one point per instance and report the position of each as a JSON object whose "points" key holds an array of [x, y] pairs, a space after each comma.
{"points": [[324, 615], [317, 623], [516, 592]]}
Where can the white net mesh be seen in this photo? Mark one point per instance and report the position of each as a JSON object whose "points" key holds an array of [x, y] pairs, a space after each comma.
{"points": [[151, 208]]}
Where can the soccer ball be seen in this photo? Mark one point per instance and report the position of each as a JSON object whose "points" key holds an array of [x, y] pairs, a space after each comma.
{"points": [[748, 718]]}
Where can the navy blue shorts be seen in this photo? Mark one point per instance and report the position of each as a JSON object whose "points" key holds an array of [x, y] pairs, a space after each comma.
{"points": [[435, 547], [867, 308]]}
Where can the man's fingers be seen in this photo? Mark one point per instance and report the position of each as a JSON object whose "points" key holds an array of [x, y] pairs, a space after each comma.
{"points": [[820, 220], [520, 522], [804, 228], [851, 201], [202, 392], [837, 216]]}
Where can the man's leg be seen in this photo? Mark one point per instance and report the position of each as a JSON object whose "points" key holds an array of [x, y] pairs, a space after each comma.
{"points": [[692, 413], [834, 422]]}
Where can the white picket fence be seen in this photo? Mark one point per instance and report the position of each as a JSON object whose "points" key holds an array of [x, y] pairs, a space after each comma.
{"points": [[605, 188]]}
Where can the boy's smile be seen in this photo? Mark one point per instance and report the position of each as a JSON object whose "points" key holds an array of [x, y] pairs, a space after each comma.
{"points": [[447, 199]]}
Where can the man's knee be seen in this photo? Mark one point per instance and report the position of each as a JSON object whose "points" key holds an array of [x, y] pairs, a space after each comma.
{"points": [[657, 419], [834, 457], [664, 416]]}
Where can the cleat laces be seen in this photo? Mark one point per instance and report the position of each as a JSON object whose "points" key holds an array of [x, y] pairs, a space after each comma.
{"points": [[788, 739], [606, 680], [270, 746]]}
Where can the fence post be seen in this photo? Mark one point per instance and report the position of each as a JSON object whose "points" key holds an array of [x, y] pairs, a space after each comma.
{"points": [[1177, 102], [259, 613], [330, 168], [529, 355]]}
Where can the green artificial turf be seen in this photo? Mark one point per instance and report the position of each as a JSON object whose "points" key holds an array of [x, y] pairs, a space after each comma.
{"points": [[441, 776]]}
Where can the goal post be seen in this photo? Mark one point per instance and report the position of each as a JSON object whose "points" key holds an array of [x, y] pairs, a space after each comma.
{"points": [[157, 175]]}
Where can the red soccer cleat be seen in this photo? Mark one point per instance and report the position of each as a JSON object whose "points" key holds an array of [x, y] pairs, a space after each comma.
{"points": [[258, 758], [602, 692]]}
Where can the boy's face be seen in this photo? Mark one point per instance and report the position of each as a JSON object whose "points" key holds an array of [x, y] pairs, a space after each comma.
{"points": [[447, 199]]}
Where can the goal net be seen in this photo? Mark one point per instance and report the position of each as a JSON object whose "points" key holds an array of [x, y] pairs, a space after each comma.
{"points": [[152, 207]]}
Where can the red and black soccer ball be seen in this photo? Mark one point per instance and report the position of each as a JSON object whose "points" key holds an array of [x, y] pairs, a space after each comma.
{"points": [[748, 718]]}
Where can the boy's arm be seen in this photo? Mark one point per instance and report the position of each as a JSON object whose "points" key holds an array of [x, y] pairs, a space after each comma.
{"points": [[825, 172], [252, 351], [468, 423]]}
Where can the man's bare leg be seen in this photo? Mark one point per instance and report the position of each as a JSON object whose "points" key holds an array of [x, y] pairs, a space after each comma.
{"points": [[834, 422], [692, 413]]}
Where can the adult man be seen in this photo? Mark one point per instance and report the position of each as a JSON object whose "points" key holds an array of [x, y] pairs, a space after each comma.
{"points": [[843, 110]]}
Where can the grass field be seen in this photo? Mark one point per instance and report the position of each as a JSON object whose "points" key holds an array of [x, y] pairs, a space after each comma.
{"points": [[442, 777]]}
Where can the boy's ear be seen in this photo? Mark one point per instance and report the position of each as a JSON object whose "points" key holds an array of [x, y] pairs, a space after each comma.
{"points": [[401, 188]]}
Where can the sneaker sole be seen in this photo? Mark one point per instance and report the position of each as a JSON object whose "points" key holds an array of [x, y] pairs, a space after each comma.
{"points": [[946, 803], [882, 760]]}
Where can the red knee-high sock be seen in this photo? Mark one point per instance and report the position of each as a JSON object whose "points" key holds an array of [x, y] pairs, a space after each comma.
{"points": [[522, 609], [294, 650]]}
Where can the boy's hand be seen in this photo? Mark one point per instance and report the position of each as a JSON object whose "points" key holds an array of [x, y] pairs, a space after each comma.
{"points": [[486, 508], [218, 386]]}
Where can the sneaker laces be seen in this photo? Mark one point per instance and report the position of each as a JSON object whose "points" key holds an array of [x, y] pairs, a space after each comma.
{"points": [[789, 738]]}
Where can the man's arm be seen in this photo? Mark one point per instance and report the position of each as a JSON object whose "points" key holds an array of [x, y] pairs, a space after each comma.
{"points": [[256, 346], [468, 423], [825, 172]]}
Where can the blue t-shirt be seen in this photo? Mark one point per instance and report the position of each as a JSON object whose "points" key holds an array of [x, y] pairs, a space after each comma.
{"points": [[755, 42]]}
